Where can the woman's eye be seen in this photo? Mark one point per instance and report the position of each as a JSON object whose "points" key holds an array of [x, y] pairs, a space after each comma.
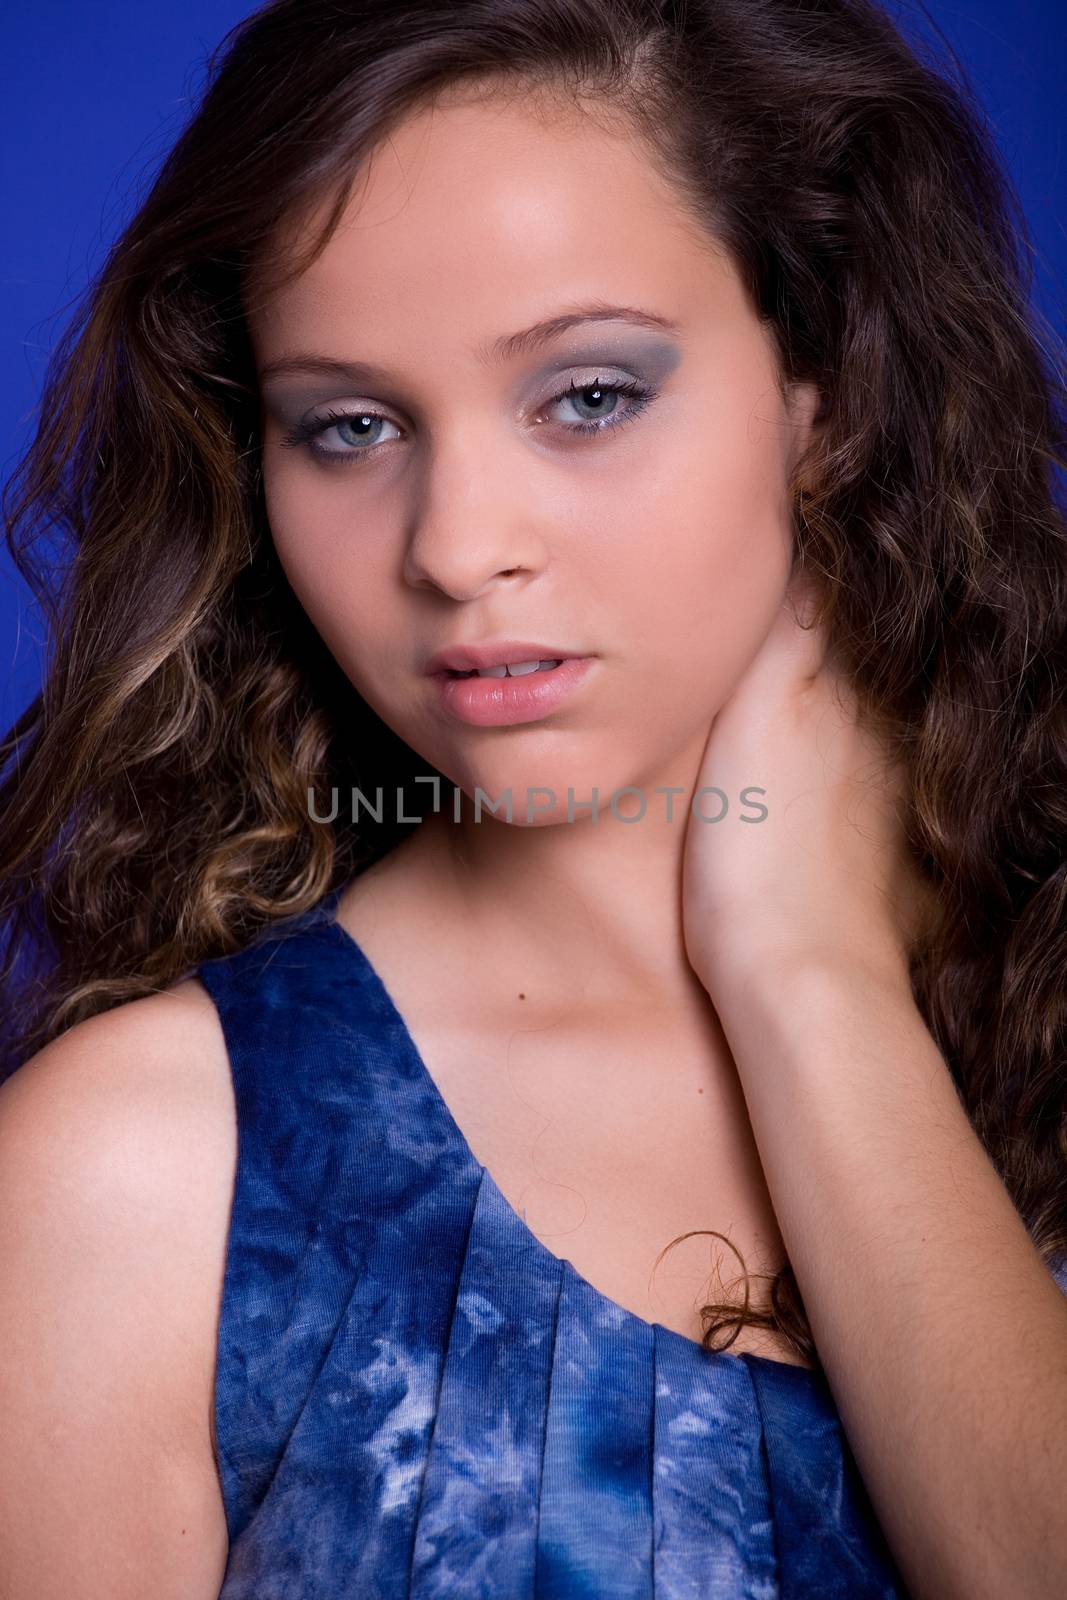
{"points": [[353, 427], [599, 401], [359, 432]]}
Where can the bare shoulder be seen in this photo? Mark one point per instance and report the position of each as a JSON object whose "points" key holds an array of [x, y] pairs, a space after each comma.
{"points": [[117, 1161], [170, 1042]]}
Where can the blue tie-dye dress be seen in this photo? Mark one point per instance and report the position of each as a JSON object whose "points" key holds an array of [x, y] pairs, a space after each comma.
{"points": [[416, 1398]]}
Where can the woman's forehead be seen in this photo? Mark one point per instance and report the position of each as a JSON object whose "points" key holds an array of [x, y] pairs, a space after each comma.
{"points": [[469, 194]]}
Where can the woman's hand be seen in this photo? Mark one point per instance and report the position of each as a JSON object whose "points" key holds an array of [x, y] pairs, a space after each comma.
{"points": [[825, 875]]}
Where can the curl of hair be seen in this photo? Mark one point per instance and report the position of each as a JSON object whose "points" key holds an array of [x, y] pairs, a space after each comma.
{"points": [[154, 803]]}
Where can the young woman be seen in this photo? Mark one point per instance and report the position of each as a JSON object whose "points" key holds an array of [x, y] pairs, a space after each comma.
{"points": [[669, 369]]}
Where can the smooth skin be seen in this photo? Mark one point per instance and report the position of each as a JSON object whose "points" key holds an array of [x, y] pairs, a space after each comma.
{"points": [[662, 547], [116, 1166], [941, 1330]]}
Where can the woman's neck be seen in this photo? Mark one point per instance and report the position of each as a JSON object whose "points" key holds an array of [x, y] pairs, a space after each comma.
{"points": [[586, 911]]}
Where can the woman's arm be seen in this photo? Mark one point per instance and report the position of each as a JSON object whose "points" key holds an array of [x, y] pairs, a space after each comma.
{"points": [[114, 1180], [942, 1332]]}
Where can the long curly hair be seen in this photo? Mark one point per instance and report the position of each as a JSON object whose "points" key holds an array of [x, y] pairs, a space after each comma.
{"points": [[155, 795]]}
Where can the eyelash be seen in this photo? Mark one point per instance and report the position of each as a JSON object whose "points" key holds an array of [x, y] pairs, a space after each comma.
{"points": [[642, 395]]}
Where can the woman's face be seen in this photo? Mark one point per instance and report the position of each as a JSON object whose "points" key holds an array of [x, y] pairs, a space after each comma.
{"points": [[473, 506]]}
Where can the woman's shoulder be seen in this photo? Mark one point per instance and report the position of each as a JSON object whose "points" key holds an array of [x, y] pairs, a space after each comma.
{"points": [[117, 1158], [128, 1121], [136, 1072]]}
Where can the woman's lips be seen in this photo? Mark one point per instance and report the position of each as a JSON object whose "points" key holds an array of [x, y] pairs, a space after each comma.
{"points": [[493, 702]]}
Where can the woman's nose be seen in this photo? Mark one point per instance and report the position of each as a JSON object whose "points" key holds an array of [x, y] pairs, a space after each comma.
{"points": [[475, 526]]}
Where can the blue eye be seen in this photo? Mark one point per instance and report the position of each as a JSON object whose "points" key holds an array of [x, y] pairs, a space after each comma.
{"points": [[641, 394], [305, 432], [593, 394]]}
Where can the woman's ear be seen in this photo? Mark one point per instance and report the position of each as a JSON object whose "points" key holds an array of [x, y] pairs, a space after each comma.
{"points": [[805, 403], [805, 410]]}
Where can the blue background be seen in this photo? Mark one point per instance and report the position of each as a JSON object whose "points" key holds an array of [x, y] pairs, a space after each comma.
{"points": [[93, 96]]}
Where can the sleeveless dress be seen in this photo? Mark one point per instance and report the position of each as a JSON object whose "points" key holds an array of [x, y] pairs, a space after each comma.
{"points": [[415, 1398]]}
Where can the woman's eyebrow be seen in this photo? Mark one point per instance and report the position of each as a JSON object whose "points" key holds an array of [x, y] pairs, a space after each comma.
{"points": [[507, 347]]}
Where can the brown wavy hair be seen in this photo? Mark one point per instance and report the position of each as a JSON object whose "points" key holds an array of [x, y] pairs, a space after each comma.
{"points": [[154, 808]]}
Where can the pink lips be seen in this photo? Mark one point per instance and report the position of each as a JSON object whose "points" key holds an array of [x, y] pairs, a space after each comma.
{"points": [[494, 702], [496, 653]]}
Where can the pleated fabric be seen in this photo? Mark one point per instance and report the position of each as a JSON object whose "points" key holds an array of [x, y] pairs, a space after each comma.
{"points": [[415, 1398]]}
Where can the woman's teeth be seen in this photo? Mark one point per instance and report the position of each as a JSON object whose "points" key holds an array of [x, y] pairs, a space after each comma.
{"points": [[515, 669]]}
